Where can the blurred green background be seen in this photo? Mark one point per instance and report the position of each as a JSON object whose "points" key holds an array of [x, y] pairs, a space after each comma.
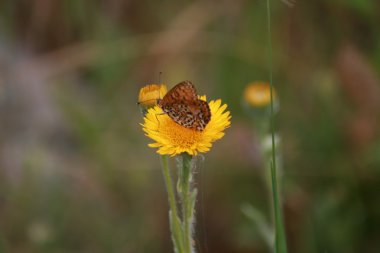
{"points": [[76, 174]]}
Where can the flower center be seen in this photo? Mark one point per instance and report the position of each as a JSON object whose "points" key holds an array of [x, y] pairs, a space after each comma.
{"points": [[177, 134]]}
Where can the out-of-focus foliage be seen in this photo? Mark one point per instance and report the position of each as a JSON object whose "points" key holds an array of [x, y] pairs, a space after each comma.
{"points": [[76, 174]]}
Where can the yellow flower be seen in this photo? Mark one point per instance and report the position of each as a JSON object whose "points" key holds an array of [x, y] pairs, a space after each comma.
{"points": [[257, 94], [173, 139], [149, 94]]}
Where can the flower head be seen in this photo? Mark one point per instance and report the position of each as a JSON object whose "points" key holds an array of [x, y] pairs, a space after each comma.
{"points": [[173, 139], [149, 94], [257, 94]]}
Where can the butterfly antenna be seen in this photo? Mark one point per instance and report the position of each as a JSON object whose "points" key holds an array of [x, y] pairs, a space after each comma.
{"points": [[158, 114], [159, 97], [159, 83], [159, 77]]}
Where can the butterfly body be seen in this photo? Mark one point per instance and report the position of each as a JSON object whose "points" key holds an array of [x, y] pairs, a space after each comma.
{"points": [[182, 105]]}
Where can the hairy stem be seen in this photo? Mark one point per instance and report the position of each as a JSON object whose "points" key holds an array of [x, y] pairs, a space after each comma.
{"points": [[175, 225], [188, 200]]}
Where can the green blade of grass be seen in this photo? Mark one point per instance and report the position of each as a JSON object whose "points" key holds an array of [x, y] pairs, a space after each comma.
{"points": [[280, 237]]}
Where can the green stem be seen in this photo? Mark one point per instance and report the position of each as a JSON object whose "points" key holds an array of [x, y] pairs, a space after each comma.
{"points": [[268, 184], [173, 214], [188, 200], [280, 237], [186, 203]]}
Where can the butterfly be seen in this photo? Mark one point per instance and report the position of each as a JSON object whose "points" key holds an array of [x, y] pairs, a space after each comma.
{"points": [[182, 105]]}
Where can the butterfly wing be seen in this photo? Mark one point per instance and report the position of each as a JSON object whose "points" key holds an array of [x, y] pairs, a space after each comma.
{"points": [[184, 91], [201, 113], [181, 114], [183, 106], [195, 115]]}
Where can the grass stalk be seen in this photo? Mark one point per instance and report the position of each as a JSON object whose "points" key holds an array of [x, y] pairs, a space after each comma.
{"points": [[280, 237]]}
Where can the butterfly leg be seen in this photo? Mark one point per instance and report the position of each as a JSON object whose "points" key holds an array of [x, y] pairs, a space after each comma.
{"points": [[158, 114]]}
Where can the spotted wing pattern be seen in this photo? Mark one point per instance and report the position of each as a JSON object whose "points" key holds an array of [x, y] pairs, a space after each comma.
{"points": [[182, 105]]}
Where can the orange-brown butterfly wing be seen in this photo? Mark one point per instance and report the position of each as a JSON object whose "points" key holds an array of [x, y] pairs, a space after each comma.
{"points": [[183, 106], [181, 114], [184, 91], [203, 116], [194, 116]]}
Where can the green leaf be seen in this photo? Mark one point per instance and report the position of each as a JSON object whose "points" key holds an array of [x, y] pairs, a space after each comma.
{"points": [[176, 232], [193, 199]]}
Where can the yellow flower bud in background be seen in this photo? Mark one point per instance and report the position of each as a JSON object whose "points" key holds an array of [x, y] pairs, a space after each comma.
{"points": [[257, 94], [256, 102]]}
